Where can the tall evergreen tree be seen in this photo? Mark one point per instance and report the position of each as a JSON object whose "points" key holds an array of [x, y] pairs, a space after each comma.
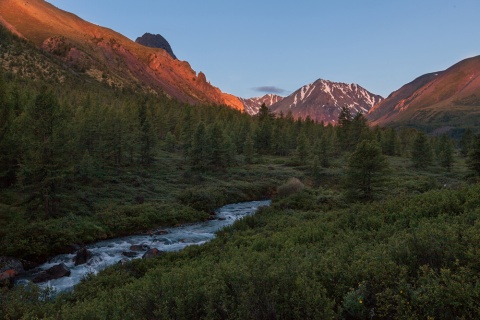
{"points": [[389, 142], [344, 122], [445, 152], [466, 142], [199, 151], [474, 156], [302, 149], [366, 171], [249, 149], [422, 155]]}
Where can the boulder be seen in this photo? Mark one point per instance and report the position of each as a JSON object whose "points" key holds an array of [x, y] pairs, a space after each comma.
{"points": [[151, 253], [6, 278], [55, 272], [82, 256], [7, 263], [129, 254], [139, 247]]}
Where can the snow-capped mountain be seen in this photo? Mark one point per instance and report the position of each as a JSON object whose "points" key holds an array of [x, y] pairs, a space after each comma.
{"points": [[323, 99], [252, 105]]}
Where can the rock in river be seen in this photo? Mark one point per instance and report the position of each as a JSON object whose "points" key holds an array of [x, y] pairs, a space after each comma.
{"points": [[55, 272]]}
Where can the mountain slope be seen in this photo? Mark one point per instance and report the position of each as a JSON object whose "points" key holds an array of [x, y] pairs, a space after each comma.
{"points": [[108, 56], [323, 99], [449, 97], [252, 105]]}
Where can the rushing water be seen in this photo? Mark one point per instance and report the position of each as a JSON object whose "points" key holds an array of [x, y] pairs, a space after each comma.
{"points": [[109, 252]]}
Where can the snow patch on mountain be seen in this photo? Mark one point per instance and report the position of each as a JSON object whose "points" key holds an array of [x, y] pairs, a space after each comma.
{"points": [[323, 99], [252, 105]]}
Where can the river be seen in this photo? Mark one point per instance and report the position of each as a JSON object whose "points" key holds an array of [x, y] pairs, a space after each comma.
{"points": [[109, 252]]}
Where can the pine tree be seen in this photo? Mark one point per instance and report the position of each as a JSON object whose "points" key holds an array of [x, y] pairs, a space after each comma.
{"points": [[422, 155], [366, 171]]}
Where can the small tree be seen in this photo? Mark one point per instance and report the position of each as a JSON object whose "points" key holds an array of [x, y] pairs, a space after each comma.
{"points": [[474, 156], [302, 149], [445, 152], [366, 172], [249, 149], [422, 155]]}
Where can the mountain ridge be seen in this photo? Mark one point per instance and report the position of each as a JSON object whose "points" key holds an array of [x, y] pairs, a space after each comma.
{"points": [[451, 96], [322, 100], [108, 56]]}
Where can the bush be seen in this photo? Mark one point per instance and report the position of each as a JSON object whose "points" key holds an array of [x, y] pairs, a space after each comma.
{"points": [[292, 186]]}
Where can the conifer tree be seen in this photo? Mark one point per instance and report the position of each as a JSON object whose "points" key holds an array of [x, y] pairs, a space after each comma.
{"points": [[198, 152], [474, 156], [421, 155], [345, 119], [322, 151], [445, 152], [249, 149], [389, 142], [216, 146], [316, 171], [302, 149], [466, 142], [366, 171], [170, 142]]}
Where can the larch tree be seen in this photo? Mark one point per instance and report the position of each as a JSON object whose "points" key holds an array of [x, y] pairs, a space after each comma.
{"points": [[366, 171]]}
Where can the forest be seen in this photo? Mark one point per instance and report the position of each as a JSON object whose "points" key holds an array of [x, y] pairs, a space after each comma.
{"points": [[365, 223]]}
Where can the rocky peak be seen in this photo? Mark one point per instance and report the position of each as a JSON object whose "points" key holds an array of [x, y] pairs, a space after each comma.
{"points": [[252, 105], [155, 41]]}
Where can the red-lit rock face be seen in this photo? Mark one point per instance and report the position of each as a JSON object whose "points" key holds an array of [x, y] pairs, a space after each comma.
{"points": [[107, 55]]}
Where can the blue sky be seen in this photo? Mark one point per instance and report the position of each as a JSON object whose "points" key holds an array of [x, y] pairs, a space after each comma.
{"points": [[242, 46]]}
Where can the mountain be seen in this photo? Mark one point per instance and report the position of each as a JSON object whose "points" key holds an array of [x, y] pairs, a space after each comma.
{"points": [[252, 105], [323, 99], [155, 41], [446, 98], [106, 55]]}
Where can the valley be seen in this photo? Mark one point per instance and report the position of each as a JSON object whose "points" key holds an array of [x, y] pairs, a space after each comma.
{"points": [[108, 144]]}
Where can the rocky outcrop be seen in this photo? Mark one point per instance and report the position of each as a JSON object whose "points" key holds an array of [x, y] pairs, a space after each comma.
{"points": [[55, 272], [91, 51], [82, 256], [155, 41]]}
